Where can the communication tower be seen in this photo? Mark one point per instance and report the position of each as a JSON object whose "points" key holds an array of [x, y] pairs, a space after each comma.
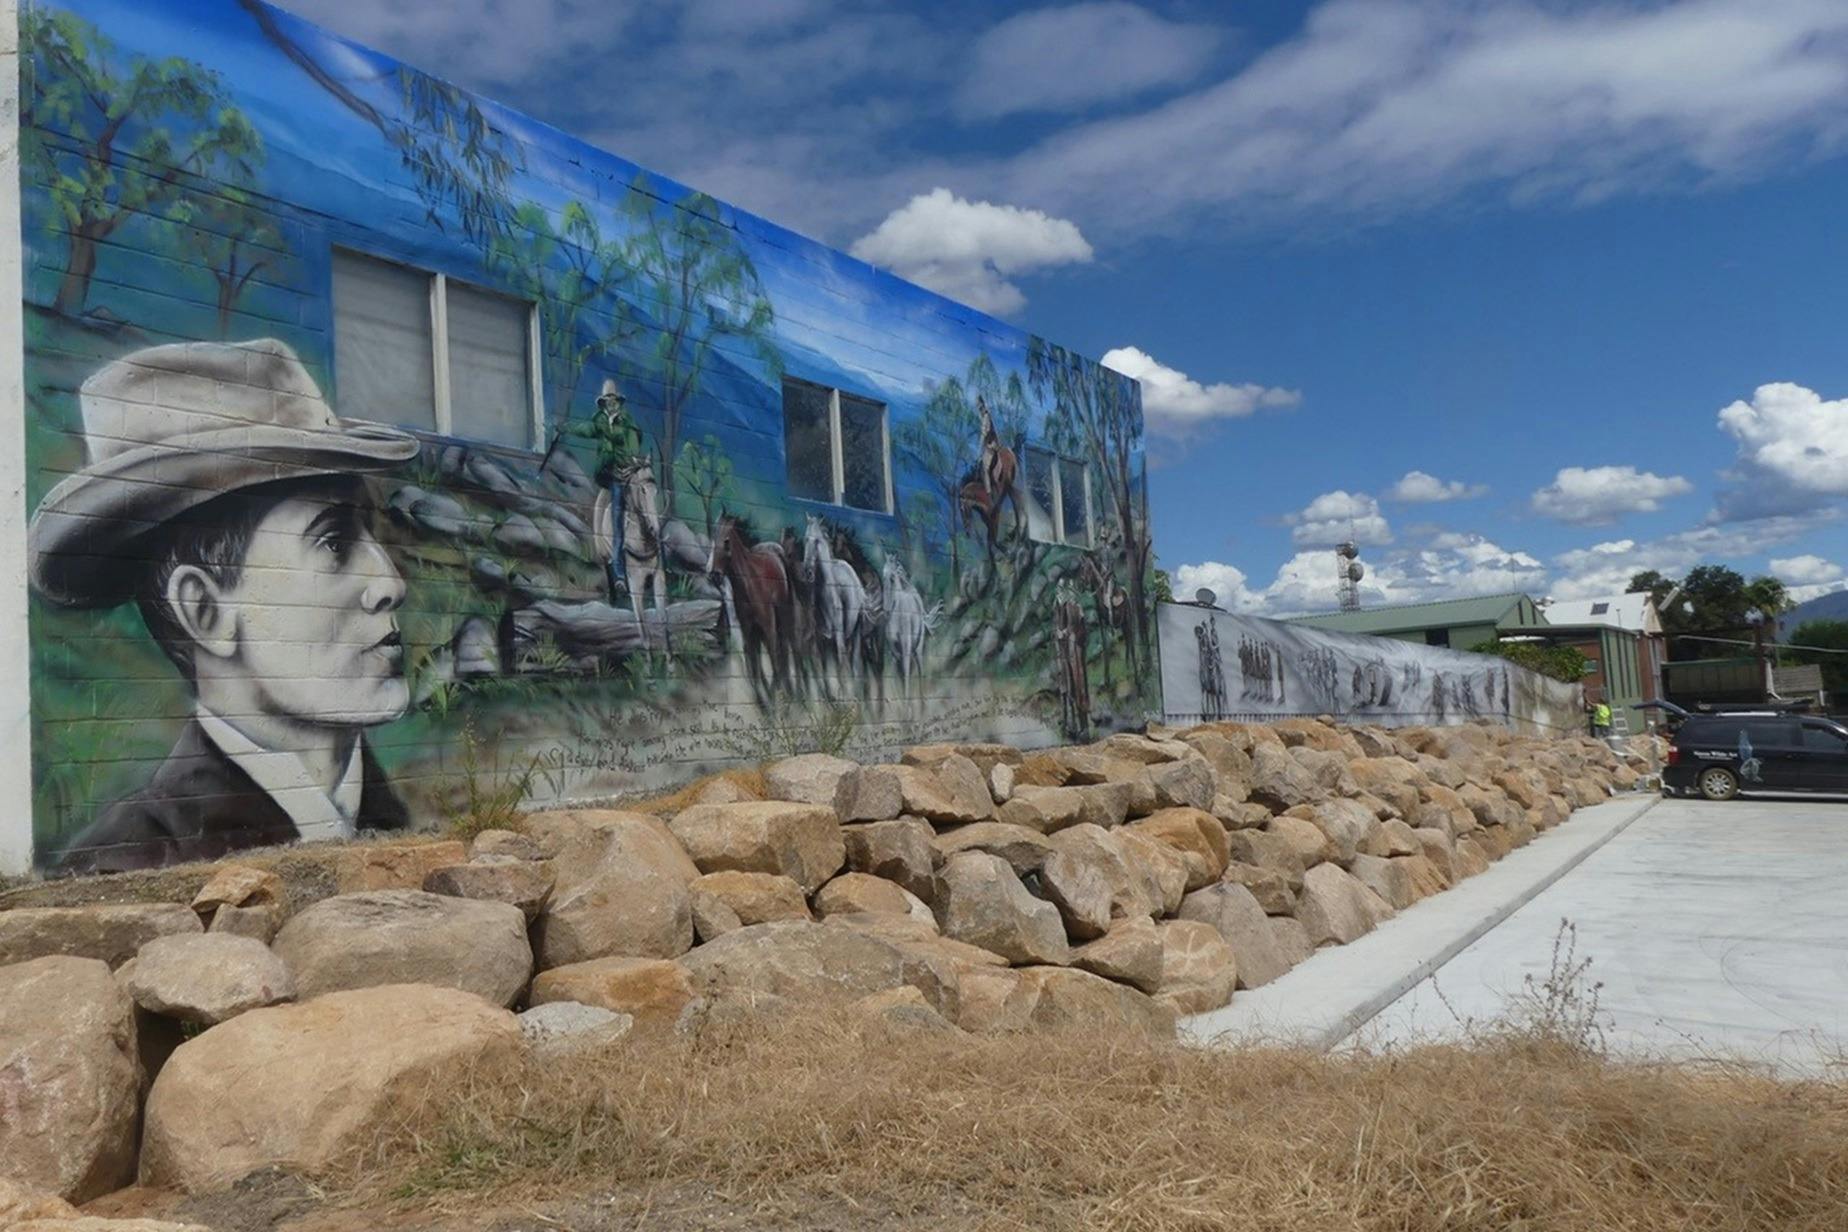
{"points": [[1348, 572]]}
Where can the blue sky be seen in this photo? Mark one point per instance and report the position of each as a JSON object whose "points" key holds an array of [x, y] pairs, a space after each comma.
{"points": [[1526, 294]]}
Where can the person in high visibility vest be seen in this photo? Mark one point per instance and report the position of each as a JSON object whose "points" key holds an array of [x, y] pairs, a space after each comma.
{"points": [[1601, 719]]}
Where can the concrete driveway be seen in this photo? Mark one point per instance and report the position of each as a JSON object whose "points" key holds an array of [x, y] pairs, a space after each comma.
{"points": [[1716, 930]]}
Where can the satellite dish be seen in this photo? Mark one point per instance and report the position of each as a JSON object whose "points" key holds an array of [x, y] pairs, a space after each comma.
{"points": [[1347, 551], [1356, 571], [1205, 597]]}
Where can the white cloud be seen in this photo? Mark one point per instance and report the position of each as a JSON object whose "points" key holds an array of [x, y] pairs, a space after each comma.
{"points": [[968, 250], [1418, 488], [1073, 56], [1805, 570], [1451, 566], [1591, 496], [1382, 107], [1606, 568], [1334, 517], [1793, 452], [1225, 581], [1174, 403]]}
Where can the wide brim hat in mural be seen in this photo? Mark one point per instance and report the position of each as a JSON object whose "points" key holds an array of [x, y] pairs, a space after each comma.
{"points": [[167, 429]]}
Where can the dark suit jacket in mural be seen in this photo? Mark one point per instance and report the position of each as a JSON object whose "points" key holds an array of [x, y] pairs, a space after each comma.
{"points": [[200, 806]]}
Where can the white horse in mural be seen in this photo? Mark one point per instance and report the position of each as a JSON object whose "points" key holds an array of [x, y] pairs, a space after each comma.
{"points": [[907, 622], [641, 546], [840, 600]]}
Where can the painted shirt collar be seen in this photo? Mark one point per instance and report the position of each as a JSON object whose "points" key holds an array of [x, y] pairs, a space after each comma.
{"points": [[284, 778]]}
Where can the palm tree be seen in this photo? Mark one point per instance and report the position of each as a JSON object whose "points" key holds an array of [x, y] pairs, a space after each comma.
{"points": [[1767, 598]]}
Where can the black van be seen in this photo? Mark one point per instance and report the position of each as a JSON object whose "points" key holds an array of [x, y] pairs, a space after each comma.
{"points": [[1719, 755]]}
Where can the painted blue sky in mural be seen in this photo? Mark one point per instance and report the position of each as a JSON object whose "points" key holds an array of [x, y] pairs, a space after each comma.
{"points": [[1522, 295]]}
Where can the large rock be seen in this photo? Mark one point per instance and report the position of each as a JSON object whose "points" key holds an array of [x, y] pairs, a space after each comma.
{"points": [[19, 1203], [899, 851], [800, 841], [980, 901], [1278, 781], [1391, 837], [1025, 850], [1269, 887], [1230, 764], [109, 932], [1130, 893], [1271, 851], [1195, 834], [506, 843], [1346, 825], [300, 1086], [1198, 968], [1092, 1006], [206, 979], [1328, 769], [755, 898], [1081, 892], [985, 756], [1307, 842], [812, 778], [992, 1000], [1392, 779], [655, 992], [236, 885], [869, 793], [70, 1080], [1234, 912], [951, 793], [1183, 784], [828, 962], [408, 937], [1050, 809], [1291, 939], [1129, 953], [1162, 870], [623, 888], [522, 883], [563, 1030], [865, 894], [1335, 908], [1442, 808], [1390, 879]]}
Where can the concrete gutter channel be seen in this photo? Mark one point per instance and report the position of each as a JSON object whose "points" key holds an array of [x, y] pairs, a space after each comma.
{"points": [[1325, 1000]]}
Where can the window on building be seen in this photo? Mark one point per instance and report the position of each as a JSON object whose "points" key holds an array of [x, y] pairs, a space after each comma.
{"points": [[423, 351], [1058, 499], [837, 446], [1437, 637]]}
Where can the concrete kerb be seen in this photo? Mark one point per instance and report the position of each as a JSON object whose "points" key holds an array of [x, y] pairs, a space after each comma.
{"points": [[1338, 990]]}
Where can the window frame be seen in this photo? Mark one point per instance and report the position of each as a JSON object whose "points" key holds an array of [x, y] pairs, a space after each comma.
{"points": [[442, 410], [1058, 498], [837, 457]]}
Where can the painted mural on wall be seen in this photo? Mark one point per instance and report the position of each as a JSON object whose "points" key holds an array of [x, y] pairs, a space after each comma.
{"points": [[768, 499], [1216, 665]]}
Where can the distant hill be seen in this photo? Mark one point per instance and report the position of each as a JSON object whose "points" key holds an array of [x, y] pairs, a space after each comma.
{"points": [[1832, 606]]}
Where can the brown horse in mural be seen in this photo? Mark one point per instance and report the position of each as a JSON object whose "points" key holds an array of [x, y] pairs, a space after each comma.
{"points": [[760, 597], [996, 481]]}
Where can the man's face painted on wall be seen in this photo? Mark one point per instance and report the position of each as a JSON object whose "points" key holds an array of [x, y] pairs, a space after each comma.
{"points": [[315, 606]]}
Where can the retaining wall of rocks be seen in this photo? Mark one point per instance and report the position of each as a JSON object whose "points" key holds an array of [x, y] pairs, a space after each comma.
{"points": [[276, 1018]]}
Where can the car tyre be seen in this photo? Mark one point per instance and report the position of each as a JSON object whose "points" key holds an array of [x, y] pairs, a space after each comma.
{"points": [[1718, 784]]}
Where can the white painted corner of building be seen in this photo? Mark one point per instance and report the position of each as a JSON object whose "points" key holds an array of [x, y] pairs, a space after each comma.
{"points": [[15, 661]]}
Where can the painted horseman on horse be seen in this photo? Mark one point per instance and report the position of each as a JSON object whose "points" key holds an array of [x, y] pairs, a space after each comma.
{"points": [[626, 516], [996, 481]]}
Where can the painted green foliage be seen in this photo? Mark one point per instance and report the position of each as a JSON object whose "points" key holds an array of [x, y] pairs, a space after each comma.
{"points": [[570, 607], [115, 155]]}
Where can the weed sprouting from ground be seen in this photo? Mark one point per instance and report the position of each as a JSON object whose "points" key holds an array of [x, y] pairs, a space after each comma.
{"points": [[492, 798], [1561, 1008]]}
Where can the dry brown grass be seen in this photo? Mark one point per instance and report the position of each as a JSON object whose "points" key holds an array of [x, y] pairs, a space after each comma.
{"points": [[811, 1122]]}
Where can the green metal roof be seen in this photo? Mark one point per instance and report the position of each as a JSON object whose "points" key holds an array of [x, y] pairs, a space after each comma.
{"points": [[1445, 613]]}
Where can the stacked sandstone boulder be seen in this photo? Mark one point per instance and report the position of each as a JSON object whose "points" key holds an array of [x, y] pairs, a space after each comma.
{"points": [[969, 888]]}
